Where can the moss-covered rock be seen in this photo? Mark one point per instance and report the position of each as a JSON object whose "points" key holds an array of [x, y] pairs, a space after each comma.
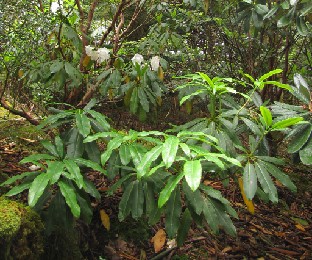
{"points": [[21, 231]]}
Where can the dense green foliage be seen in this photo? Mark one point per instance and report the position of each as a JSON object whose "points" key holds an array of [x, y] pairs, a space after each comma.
{"points": [[223, 54]]}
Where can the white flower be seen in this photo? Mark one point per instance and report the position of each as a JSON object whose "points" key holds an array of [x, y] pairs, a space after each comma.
{"points": [[155, 63], [91, 53], [137, 58], [103, 54]]}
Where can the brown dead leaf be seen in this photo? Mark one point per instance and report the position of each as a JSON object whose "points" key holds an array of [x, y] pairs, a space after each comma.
{"points": [[105, 219], [159, 240]]}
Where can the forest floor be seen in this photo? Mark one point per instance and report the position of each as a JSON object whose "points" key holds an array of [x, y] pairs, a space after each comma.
{"points": [[275, 231]]}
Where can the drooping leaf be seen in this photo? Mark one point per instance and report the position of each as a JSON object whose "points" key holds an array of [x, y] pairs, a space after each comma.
{"points": [[252, 126], [69, 194], [59, 147], [93, 152], [170, 186], [249, 181], [18, 177], [148, 159], [83, 124], [37, 187], [266, 182], [210, 215], [91, 189], [248, 202], [193, 173], [137, 199], [279, 175], [169, 151], [74, 170], [100, 119], [299, 140], [194, 198], [93, 165], [125, 202], [306, 153], [18, 189], [173, 212], [184, 227], [75, 146]]}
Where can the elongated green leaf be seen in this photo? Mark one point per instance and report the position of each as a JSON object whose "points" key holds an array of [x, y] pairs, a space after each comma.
{"points": [[18, 177], [54, 169], [224, 220], [193, 173], [306, 153], [148, 159], [137, 200], [93, 152], [83, 124], [194, 198], [150, 202], [252, 126], [250, 181], [85, 207], [184, 227], [37, 187], [170, 186], [286, 123], [117, 184], [59, 146], [124, 154], [270, 74], [210, 215], [266, 182], [54, 118], [112, 145], [173, 212], [169, 151], [50, 147], [278, 84], [279, 175], [134, 101], [91, 189], [137, 152], [300, 139], [93, 165], [69, 194], [18, 189], [125, 202], [75, 146], [94, 137], [143, 99], [267, 116], [74, 170], [34, 158], [100, 119]]}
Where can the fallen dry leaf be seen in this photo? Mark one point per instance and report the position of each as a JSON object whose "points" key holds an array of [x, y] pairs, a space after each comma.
{"points": [[249, 204], [300, 227], [159, 240], [105, 219]]}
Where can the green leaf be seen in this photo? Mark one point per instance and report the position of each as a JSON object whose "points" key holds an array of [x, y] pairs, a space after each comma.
{"points": [[83, 124], [147, 160], [252, 126], [37, 187], [137, 199], [74, 170], [117, 184], [279, 175], [69, 194], [193, 173], [194, 198], [134, 101], [56, 66], [270, 74], [125, 202], [100, 119], [184, 227], [266, 182], [143, 99], [300, 139], [93, 152], [18, 189], [112, 145], [75, 146], [250, 181], [267, 116], [286, 123], [91, 189], [306, 153], [170, 186], [278, 84], [169, 151], [59, 146], [17, 177], [137, 152], [173, 212], [34, 158], [50, 147], [150, 202], [93, 165], [210, 215], [54, 170], [73, 73], [54, 118], [302, 26], [124, 154]]}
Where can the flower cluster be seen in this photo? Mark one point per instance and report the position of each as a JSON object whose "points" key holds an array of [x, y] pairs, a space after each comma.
{"points": [[155, 61], [100, 55]]}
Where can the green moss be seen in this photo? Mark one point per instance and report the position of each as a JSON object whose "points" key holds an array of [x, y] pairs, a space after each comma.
{"points": [[21, 231]]}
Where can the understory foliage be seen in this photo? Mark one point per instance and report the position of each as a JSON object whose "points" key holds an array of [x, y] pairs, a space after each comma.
{"points": [[133, 54]]}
